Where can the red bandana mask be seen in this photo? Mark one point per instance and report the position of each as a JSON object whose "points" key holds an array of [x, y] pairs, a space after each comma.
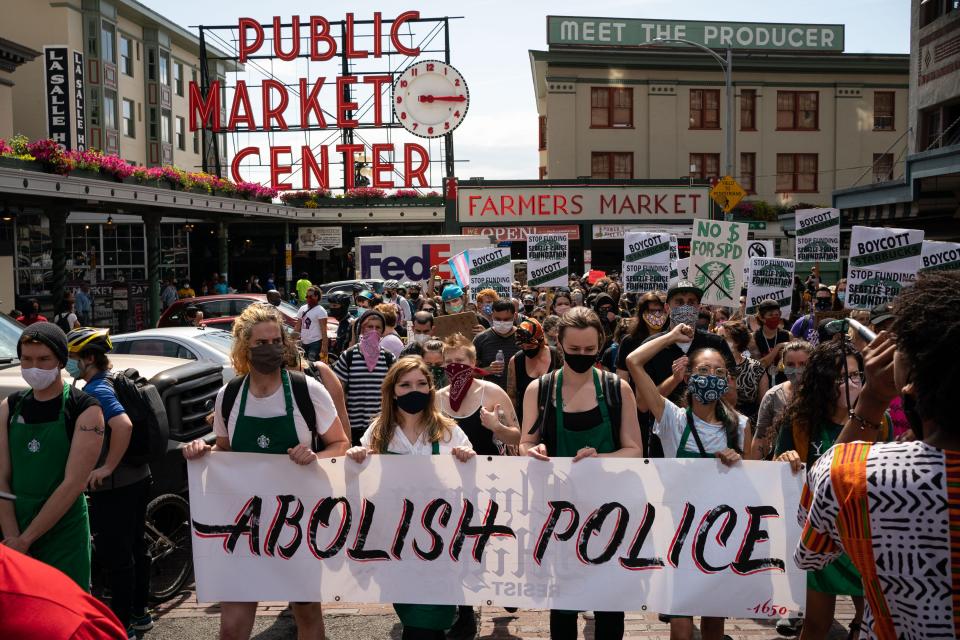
{"points": [[460, 376]]}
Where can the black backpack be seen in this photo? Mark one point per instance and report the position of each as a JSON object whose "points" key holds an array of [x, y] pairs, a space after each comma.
{"points": [[301, 396], [143, 405], [63, 321]]}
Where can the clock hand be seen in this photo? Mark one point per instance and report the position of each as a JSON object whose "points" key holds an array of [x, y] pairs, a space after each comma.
{"points": [[429, 98]]}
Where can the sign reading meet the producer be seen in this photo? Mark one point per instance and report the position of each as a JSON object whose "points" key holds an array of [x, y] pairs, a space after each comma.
{"points": [[634, 32]]}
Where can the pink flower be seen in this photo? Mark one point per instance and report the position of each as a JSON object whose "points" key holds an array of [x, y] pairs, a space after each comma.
{"points": [[5, 149], [366, 192]]}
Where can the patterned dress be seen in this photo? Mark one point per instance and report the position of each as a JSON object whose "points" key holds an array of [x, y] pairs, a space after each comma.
{"points": [[894, 508]]}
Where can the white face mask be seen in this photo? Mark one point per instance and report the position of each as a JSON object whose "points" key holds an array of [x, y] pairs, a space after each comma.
{"points": [[420, 338], [685, 346], [39, 379], [502, 327], [854, 394]]}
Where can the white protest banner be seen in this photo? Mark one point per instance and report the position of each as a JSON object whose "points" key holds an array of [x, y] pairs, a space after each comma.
{"points": [[646, 261], [882, 262], [548, 260], [770, 278], [757, 249], [818, 235], [716, 260], [940, 256], [683, 270], [491, 269], [674, 257], [615, 534]]}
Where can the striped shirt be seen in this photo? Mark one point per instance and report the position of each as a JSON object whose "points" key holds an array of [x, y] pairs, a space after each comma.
{"points": [[361, 387]]}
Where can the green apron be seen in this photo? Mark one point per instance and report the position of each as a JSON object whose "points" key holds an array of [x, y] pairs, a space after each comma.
{"points": [[682, 447], [599, 437], [839, 577], [265, 435], [38, 460], [425, 616]]}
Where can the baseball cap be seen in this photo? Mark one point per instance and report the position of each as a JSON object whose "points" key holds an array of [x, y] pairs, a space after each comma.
{"points": [[684, 286], [881, 313], [451, 292]]}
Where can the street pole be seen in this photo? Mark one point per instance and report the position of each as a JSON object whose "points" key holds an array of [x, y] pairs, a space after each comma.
{"points": [[730, 140]]}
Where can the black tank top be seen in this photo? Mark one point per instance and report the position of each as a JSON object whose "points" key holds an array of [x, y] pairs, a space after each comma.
{"points": [[481, 438], [524, 380], [578, 421]]}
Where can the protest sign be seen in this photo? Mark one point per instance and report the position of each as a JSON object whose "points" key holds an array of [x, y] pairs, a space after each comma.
{"points": [[674, 257], [882, 262], [940, 256], [646, 261], [716, 260], [757, 249], [548, 260], [770, 278], [818, 235], [491, 269], [609, 534], [683, 270], [452, 323]]}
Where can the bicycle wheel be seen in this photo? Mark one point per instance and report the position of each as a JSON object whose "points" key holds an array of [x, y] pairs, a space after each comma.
{"points": [[168, 542]]}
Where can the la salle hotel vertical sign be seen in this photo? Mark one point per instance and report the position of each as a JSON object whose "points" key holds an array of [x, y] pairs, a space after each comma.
{"points": [[56, 72]]}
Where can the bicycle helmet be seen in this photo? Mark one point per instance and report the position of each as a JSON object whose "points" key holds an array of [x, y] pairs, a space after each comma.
{"points": [[366, 293], [89, 339], [391, 284], [340, 298]]}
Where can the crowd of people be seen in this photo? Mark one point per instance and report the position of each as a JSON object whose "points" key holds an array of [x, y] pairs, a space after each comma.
{"points": [[579, 372]]}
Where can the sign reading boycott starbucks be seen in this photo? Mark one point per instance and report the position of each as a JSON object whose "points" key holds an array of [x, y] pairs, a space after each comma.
{"points": [[818, 235], [882, 262], [716, 260], [940, 256], [491, 269], [770, 278], [548, 260], [646, 261]]}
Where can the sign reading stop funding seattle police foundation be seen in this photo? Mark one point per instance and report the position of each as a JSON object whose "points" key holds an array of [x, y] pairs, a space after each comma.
{"points": [[940, 256], [687, 537], [818, 235], [882, 262], [716, 260], [646, 261], [548, 260], [491, 269], [770, 278]]}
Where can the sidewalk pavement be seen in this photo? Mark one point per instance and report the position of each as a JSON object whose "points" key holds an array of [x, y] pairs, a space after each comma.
{"points": [[178, 617]]}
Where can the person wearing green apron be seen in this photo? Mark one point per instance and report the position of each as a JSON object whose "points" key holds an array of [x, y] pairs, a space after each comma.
{"points": [[411, 423], [707, 428], [267, 420], [50, 438], [579, 419]]}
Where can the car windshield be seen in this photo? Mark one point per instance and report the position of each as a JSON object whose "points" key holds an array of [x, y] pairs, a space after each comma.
{"points": [[10, 331], [219, 340], [289, 309]]}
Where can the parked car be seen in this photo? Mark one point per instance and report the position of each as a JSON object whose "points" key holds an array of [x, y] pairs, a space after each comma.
{"points": [[348, 286], [188, 343], [222, 308]]}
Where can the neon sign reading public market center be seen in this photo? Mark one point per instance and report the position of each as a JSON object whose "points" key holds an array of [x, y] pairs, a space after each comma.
{"points": [[311, 38]]}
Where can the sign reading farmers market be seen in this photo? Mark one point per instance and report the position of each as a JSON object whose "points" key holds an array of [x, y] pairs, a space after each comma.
{"points": [[635, 32], [604, 533], [882, 262], [818, 235]]}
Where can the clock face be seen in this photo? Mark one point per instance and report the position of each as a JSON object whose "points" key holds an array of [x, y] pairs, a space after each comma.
{"points": [[430, 99]]}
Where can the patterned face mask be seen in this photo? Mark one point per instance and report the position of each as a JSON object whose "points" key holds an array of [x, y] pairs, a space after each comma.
{"points": [[707, 389], [685, 314]]}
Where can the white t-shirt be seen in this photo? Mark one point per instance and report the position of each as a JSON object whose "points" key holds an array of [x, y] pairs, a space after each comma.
{"points": [[392, 343], [310, 323], [671, 425], [401, 444], [273, 406]]}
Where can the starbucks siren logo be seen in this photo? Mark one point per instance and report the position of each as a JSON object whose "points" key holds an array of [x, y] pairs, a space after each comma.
{"points": [[715, 274], [263, 441], [33, 446]]}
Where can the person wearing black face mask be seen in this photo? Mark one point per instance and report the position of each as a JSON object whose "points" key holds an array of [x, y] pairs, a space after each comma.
{"points": [[533, 360], [806, 327], [340, 310], [261, 413], [580, 425]]}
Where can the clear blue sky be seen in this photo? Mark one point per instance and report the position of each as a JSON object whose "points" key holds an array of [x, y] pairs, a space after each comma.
{"points": [[490, 45]]}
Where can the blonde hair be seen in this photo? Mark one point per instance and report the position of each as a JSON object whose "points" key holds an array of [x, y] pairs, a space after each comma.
{"points": [[438, 426], [459, 341], [242, 328], [389, 312]]}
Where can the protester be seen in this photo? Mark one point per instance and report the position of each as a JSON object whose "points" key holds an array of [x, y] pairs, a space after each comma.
{"points": [[186, 291], [608, 360], [220, 286], [32, 314], [650, 319], [551, 329], [312, 326], [302, 285], [391, 295], [192, 316], [340, 311], [265, 418], [118, 491], [253, 284], [534, 359], [362, 369], [748, 374], [274, 297], [805, 328], [390, 341], [793, 360], [496, 345], [366, 299], [528, 304], [52, 434], [609, 315], [422, 327], [581, 425], [67, 318], [413, 293], [83, 302], [561, 303], [433, 358], [167, 297], [411, 423], [770, 338], [702, 426]]}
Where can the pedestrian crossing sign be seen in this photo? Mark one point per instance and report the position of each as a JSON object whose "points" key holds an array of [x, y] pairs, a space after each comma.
{"points": [[727, 193]]}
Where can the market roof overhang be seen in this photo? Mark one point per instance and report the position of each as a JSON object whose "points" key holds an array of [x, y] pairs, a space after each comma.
{"points": [[12, 55]]}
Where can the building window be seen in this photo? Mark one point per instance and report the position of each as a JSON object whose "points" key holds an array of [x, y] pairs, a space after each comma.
{"points": [[109, 109], [748, 172], [611, 107], [930, 10], [704, 166], [107, 35], [748, 110], [883, 106], [798, 110], [151, 64], [543, 133], [165, 128], [882, 167], [797, 173], [178, 78], [704, 108], [611, 165], [153, 123], [128, 123], [126, 56], [196, 141], [543, 172], [181, 138], [164, 69]]}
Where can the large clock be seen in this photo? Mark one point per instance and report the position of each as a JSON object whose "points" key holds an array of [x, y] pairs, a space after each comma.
{"points": [[430, 98]]}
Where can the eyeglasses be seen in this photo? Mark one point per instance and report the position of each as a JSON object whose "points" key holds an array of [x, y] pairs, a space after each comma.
{"points": [[855, 378], [704, 370]]}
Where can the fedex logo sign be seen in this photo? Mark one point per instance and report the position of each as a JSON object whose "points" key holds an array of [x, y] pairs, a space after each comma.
{"points": [[405, 261]]}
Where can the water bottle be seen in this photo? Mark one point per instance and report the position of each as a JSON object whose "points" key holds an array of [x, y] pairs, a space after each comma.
{"points": [[499, 357]]}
